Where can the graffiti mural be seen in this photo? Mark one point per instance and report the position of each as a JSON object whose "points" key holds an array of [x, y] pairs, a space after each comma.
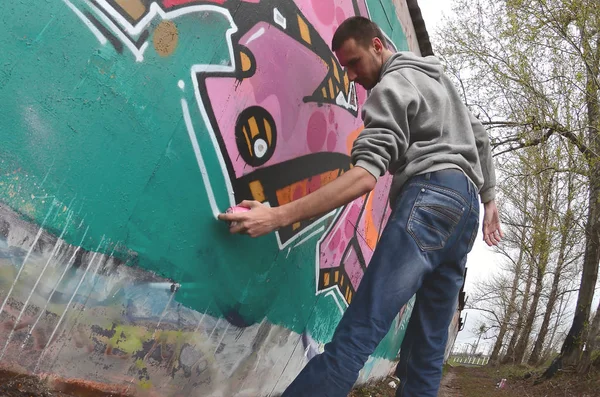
{"points": [[132, 124], [278, 140]]}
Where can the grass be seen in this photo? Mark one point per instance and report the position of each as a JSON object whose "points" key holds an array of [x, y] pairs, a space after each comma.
{"points": [[482, 381]]}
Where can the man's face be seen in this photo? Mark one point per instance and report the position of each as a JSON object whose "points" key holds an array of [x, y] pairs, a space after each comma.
{"points": [[363, 64]]}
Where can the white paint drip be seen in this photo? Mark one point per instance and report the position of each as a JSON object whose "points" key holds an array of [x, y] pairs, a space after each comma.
{"points": [[37, 237], [181, 84], [31, 291], [223, 337], [286, 364], [201, 319], [57, 245], [68, 265], [213, 331], [68, 305], [162, 316]]}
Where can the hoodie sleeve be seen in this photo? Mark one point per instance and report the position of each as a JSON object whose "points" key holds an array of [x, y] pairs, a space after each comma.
{"points": [[386, 115], [488, 190]]}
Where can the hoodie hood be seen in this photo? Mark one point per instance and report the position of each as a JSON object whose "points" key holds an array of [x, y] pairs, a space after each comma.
{"points": [[429, 65]]}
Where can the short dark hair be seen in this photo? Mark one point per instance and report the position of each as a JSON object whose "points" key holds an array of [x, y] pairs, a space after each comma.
{"points": [[361, 29]]}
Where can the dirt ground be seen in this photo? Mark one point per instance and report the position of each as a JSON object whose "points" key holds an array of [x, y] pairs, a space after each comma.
{"points": [[483, 382], [457, 382], [16, 385]]}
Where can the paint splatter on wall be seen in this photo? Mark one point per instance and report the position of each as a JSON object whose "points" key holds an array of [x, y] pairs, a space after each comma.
{"points": [[127, 126]]}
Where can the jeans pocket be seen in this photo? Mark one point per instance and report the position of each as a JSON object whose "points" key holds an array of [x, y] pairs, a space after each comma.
{"points": [[434, 217]]}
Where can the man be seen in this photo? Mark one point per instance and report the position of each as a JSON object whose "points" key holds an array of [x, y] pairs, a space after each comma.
{"points": [[417, 128]]}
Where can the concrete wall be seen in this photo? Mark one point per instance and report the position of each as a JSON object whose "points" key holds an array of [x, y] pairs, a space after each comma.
{"points": [[126, 126]]}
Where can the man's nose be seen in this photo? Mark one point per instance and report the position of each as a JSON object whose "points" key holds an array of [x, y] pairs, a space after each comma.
{"points": [[351, 75]]}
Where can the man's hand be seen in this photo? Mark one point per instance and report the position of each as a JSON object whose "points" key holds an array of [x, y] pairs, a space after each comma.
{"points": [[492, 233], [260, 220]]}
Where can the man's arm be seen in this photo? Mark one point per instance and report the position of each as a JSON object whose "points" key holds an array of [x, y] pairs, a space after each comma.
{"points": [[263, 219], [384, 139], [492, 231]]}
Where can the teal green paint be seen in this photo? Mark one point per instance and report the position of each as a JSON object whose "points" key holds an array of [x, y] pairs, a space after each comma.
{"points": [[100, 140], [383, 13]]}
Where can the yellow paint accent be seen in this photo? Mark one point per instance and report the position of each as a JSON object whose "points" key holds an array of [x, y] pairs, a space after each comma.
{"points": [[304, 32], [246, 62], [296, 226], [337, 274], [135, 8], [346, 83], [342, 281], [257, 191], [331, 88], [268, 131], [253, 126], [350, 297], [336, 73], [324, 91], [145, 384], [326, 279], [245, 131]]}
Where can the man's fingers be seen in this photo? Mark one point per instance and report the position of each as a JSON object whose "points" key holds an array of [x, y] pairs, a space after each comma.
{"points": [[232, 217], [249, 204], [237, 228]]}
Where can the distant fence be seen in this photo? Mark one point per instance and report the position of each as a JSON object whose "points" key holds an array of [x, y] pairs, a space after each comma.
{"points": [[469, 359]]}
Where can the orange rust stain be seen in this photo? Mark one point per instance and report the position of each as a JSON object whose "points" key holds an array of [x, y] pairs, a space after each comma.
{"points": [[352, 137], [371, 233], [327, 177], [284, 195]]}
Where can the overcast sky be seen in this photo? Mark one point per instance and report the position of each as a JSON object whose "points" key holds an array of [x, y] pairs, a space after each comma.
{"points": [[482, 261]]}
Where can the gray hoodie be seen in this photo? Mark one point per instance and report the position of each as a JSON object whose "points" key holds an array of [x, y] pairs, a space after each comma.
{"points": [[415, 122]]}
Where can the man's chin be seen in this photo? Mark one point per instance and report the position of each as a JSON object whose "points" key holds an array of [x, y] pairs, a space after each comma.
{"points": [[365, 85]]}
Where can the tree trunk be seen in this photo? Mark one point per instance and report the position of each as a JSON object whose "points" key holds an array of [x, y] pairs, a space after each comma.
{"points": [[541, 250], [592, 343], [512, 303], [536, 354], [539, 343], [572, 348], [509, 357], [557, 322]]}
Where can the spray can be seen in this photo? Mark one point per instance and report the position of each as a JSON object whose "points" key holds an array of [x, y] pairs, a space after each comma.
{"points": [[235, 209]]}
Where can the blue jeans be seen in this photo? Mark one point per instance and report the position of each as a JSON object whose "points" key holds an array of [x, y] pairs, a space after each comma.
{"points": [[423, 250]]}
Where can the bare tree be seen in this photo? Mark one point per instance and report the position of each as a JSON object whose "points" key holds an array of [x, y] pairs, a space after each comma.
{"points": [[531, 69]]}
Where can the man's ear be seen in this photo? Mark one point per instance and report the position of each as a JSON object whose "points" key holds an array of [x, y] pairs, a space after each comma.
{"points": [[378, 45]]}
